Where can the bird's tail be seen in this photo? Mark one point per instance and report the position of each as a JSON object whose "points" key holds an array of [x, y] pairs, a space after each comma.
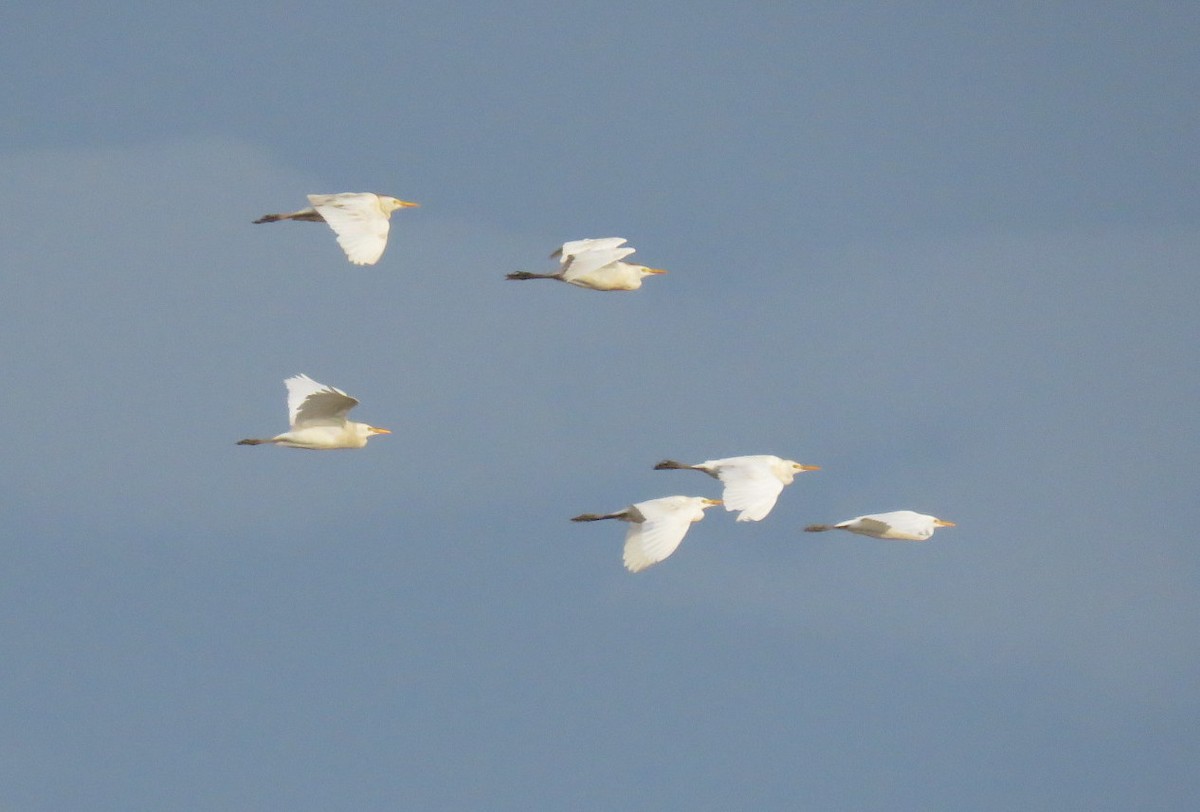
{"points": [[595, 517], [528, 275], [671, 465], [818, 528]]}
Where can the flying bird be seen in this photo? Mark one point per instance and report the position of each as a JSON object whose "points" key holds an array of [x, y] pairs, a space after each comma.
{"points": [[904, 525], [594, 264], [752, 483], [317, 414], [359, 219], [656, 526]]}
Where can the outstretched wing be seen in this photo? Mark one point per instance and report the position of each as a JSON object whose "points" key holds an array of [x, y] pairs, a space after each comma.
{"points": [[751, 488], [868, 526], [664, 523], [653, 540], [578, 265], [906, 525], [578, 246], [315, 404], [360, 225]]}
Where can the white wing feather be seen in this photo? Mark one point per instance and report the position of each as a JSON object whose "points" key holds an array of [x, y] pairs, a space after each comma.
{"points": [[665, 523], [653, 540], [578, 266], [905, 525], [360, 225], [868, 526], [311, 403], [750, 488], [579, 246]]}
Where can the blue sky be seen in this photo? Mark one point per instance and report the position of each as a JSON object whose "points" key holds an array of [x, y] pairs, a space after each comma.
{"points": [[948, 253]]}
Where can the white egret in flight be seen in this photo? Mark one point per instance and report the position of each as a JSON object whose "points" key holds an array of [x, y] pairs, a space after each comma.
{"points": [[317, 414], [904, 525], [359, 219], [594, 264], [656, 526], [752, 483]]}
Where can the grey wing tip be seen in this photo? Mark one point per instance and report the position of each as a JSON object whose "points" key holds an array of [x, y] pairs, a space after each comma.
{"points": [[267, 218], [250, 442], [818, 528], [587, 517], [670, 465]]}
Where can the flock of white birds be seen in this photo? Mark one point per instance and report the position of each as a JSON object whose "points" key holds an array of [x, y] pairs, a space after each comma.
{"points": [[752, 484]]}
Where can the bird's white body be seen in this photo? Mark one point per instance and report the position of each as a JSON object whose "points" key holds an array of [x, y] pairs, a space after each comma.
{"points": [[317, 414], [752, 483], [596, 264], [349, 435], [360, 220], [899, 525], [656, 527]]}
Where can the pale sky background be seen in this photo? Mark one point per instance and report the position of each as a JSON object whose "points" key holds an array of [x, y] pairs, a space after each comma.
{"points": [[946, 251]]}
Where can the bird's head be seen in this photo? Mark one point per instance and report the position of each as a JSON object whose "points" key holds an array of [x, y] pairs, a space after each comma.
{"points": [[702, 503], [390, 204], [364, 431], [786, 470]]}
